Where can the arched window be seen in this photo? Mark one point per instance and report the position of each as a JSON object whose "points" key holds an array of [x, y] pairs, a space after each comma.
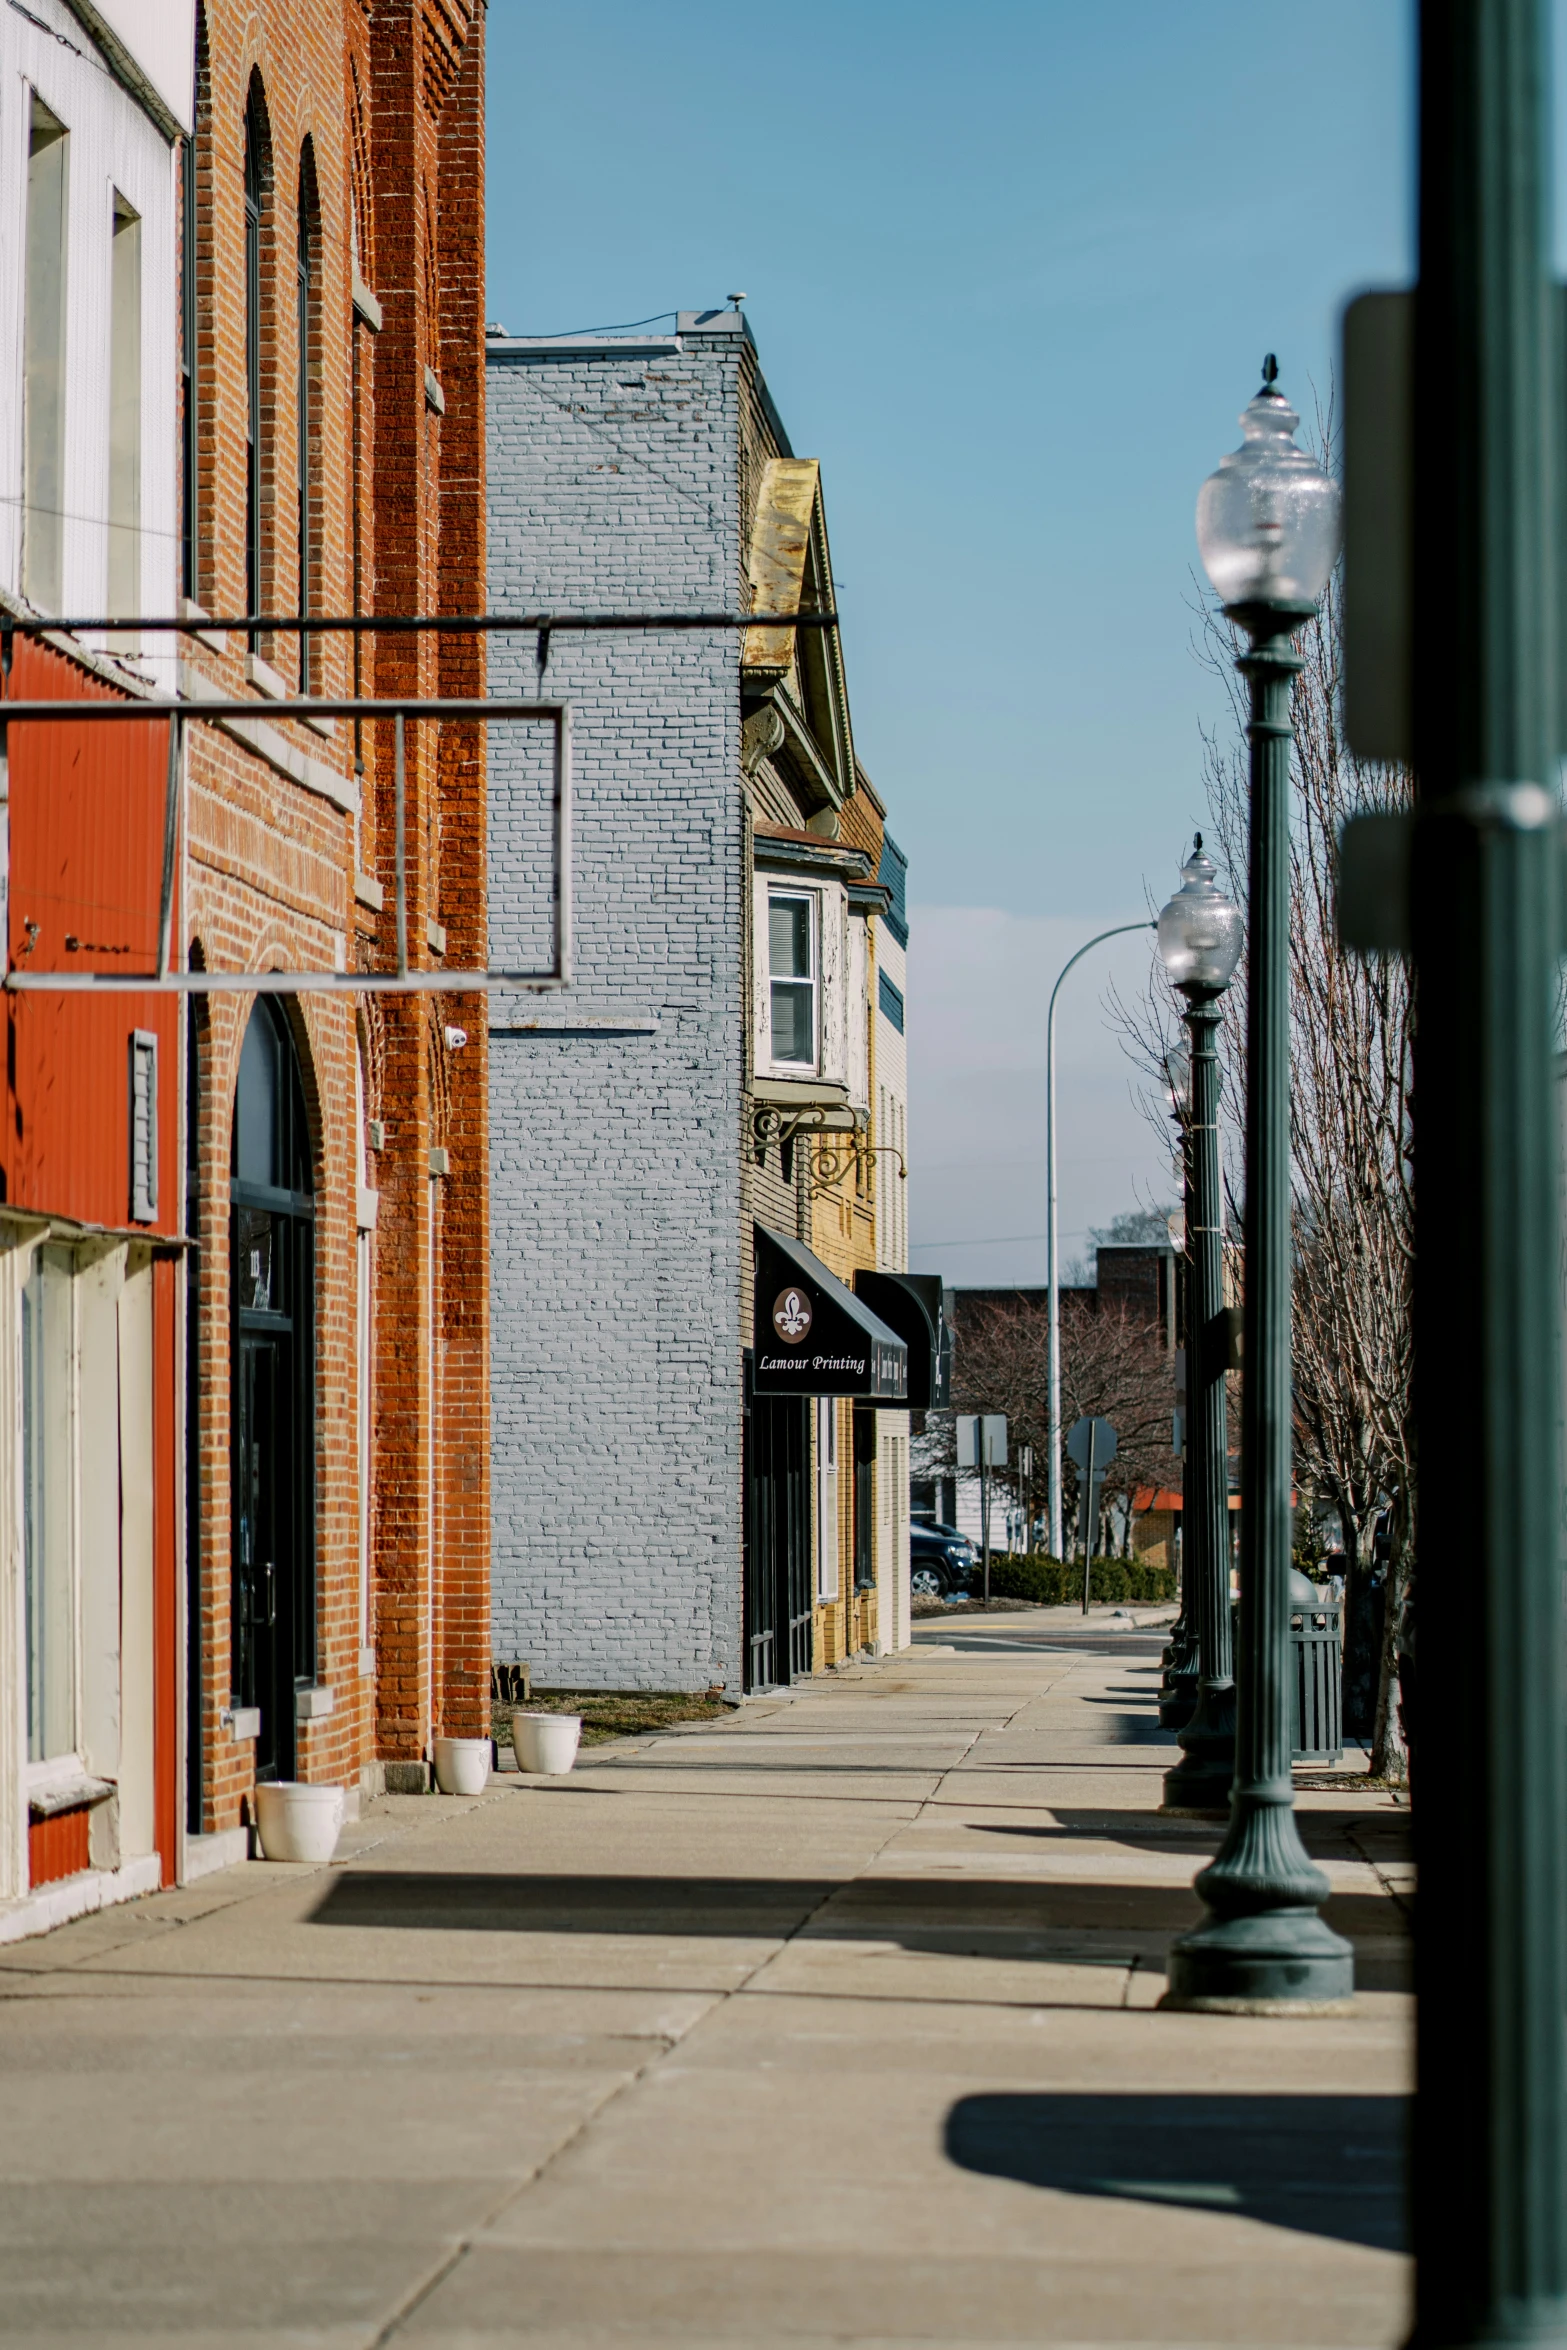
{"points": [[271, 1129], [273, 1254], [257, 194], [306, 422]]}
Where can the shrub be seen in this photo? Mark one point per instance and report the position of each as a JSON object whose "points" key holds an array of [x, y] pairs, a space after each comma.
{"points": [[1058, 1582]]}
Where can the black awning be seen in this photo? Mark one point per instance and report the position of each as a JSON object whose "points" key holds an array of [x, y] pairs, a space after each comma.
{"points": [[914, 1304], [815, 1337]]}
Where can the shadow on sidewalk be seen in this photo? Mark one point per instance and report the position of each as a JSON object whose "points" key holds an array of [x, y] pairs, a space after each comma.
{"points": [[1325, 2166], [1057, 1922], [1010, 1918]]}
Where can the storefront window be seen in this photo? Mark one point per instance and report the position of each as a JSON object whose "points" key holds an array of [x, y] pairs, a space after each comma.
{"points": [[49, 1505]]}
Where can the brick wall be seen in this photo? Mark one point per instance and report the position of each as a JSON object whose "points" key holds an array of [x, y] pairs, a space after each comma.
{"points": [[389, 99], [615, 1202]]}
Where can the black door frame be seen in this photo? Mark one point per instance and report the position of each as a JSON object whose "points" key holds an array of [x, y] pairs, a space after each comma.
{"points": [[273, 1505], [777, 1540]]}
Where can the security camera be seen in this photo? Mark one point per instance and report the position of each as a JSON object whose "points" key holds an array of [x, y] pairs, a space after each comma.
{"points": [[456, 1038]]}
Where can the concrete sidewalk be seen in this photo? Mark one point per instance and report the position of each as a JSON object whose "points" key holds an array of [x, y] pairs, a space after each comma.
{"points": [[835, 2023]]}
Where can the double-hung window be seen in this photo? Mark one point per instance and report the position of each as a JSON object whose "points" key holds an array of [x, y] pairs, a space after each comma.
{"points": [[43, 361], [793, 973]]}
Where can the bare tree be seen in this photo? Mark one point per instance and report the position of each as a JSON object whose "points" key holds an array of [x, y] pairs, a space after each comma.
{"points": [[1113, 1364], [1352, 1024]]}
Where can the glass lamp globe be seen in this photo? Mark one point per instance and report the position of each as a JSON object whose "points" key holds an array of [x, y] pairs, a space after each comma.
{"points": [[1268, 520], [1200, 930]]}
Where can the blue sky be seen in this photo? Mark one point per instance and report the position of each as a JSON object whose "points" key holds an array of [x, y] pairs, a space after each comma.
{"points": [[1011, 270]]}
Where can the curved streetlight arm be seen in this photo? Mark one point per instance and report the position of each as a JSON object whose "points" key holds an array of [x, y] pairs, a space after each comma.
{"points": [[1121, 930]]}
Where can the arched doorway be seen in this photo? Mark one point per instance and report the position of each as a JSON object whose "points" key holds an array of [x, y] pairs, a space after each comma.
{"points": [[273, 1257]]}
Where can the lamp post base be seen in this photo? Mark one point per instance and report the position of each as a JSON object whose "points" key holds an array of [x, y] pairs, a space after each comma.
{"points": [[1202, 1779], [1276, 1962], [1178, 1700]]}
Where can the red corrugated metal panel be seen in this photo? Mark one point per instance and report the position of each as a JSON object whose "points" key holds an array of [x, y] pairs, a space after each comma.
{"points": [[86, 864], [58, 1846]]}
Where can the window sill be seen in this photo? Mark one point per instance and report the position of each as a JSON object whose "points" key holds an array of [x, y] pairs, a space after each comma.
{"points": [[264, 677], [803, 1090], [215, 639], [365, 303], [74, 1794]]}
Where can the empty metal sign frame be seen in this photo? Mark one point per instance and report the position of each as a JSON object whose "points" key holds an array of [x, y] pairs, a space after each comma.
{"points": [[396, 713]]}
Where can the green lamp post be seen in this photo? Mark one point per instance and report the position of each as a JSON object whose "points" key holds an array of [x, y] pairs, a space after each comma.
{"points": [[1200, 937], [1489, 2141], [1179, 1663], [1267, 529]]}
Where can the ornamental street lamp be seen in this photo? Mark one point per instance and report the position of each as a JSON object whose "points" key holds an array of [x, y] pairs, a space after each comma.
{"points": [[1267, 529], [1200, 935]]}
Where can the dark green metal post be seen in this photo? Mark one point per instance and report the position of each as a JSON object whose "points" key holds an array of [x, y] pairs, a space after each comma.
{"points": [[1179, 1663], [1490, 2141], [1200, 1781], [1263, 1945]]}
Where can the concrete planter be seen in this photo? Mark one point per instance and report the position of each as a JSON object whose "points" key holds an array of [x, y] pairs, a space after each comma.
{"points": [[546, 1743], [298, 1822], [462, 1765]]}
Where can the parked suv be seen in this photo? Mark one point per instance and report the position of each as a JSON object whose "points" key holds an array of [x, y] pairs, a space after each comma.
{"points": [[941, 1562]]}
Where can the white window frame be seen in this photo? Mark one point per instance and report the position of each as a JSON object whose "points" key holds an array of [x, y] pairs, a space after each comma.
{"points": [[53, 1770], [811, 900]]}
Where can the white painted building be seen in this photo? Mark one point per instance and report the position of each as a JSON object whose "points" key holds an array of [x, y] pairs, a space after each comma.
{"points": [[95, 105]]}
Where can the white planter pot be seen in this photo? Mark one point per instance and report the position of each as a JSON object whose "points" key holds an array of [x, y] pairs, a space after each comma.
{"points": [[546, 1743], [462, 1765], [298, 1822]]}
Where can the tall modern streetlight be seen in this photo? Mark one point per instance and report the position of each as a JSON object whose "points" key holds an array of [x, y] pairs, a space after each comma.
{"points": [[1267, 529], [1489, 2139], [1052, 1268], [1200, 935]]}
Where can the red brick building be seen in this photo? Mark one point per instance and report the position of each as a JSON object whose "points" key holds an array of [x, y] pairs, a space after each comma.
{"points": [[334, 1140]]}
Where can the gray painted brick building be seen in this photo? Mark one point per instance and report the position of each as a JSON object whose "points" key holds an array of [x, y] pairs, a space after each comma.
{"points": [[615, 1107]]}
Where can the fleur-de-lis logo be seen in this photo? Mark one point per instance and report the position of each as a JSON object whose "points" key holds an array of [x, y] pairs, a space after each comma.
{"points": [[792, 1315]]}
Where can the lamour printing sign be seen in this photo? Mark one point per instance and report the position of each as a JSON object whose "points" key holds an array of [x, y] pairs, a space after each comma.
{"points": [[813, 1336]]}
